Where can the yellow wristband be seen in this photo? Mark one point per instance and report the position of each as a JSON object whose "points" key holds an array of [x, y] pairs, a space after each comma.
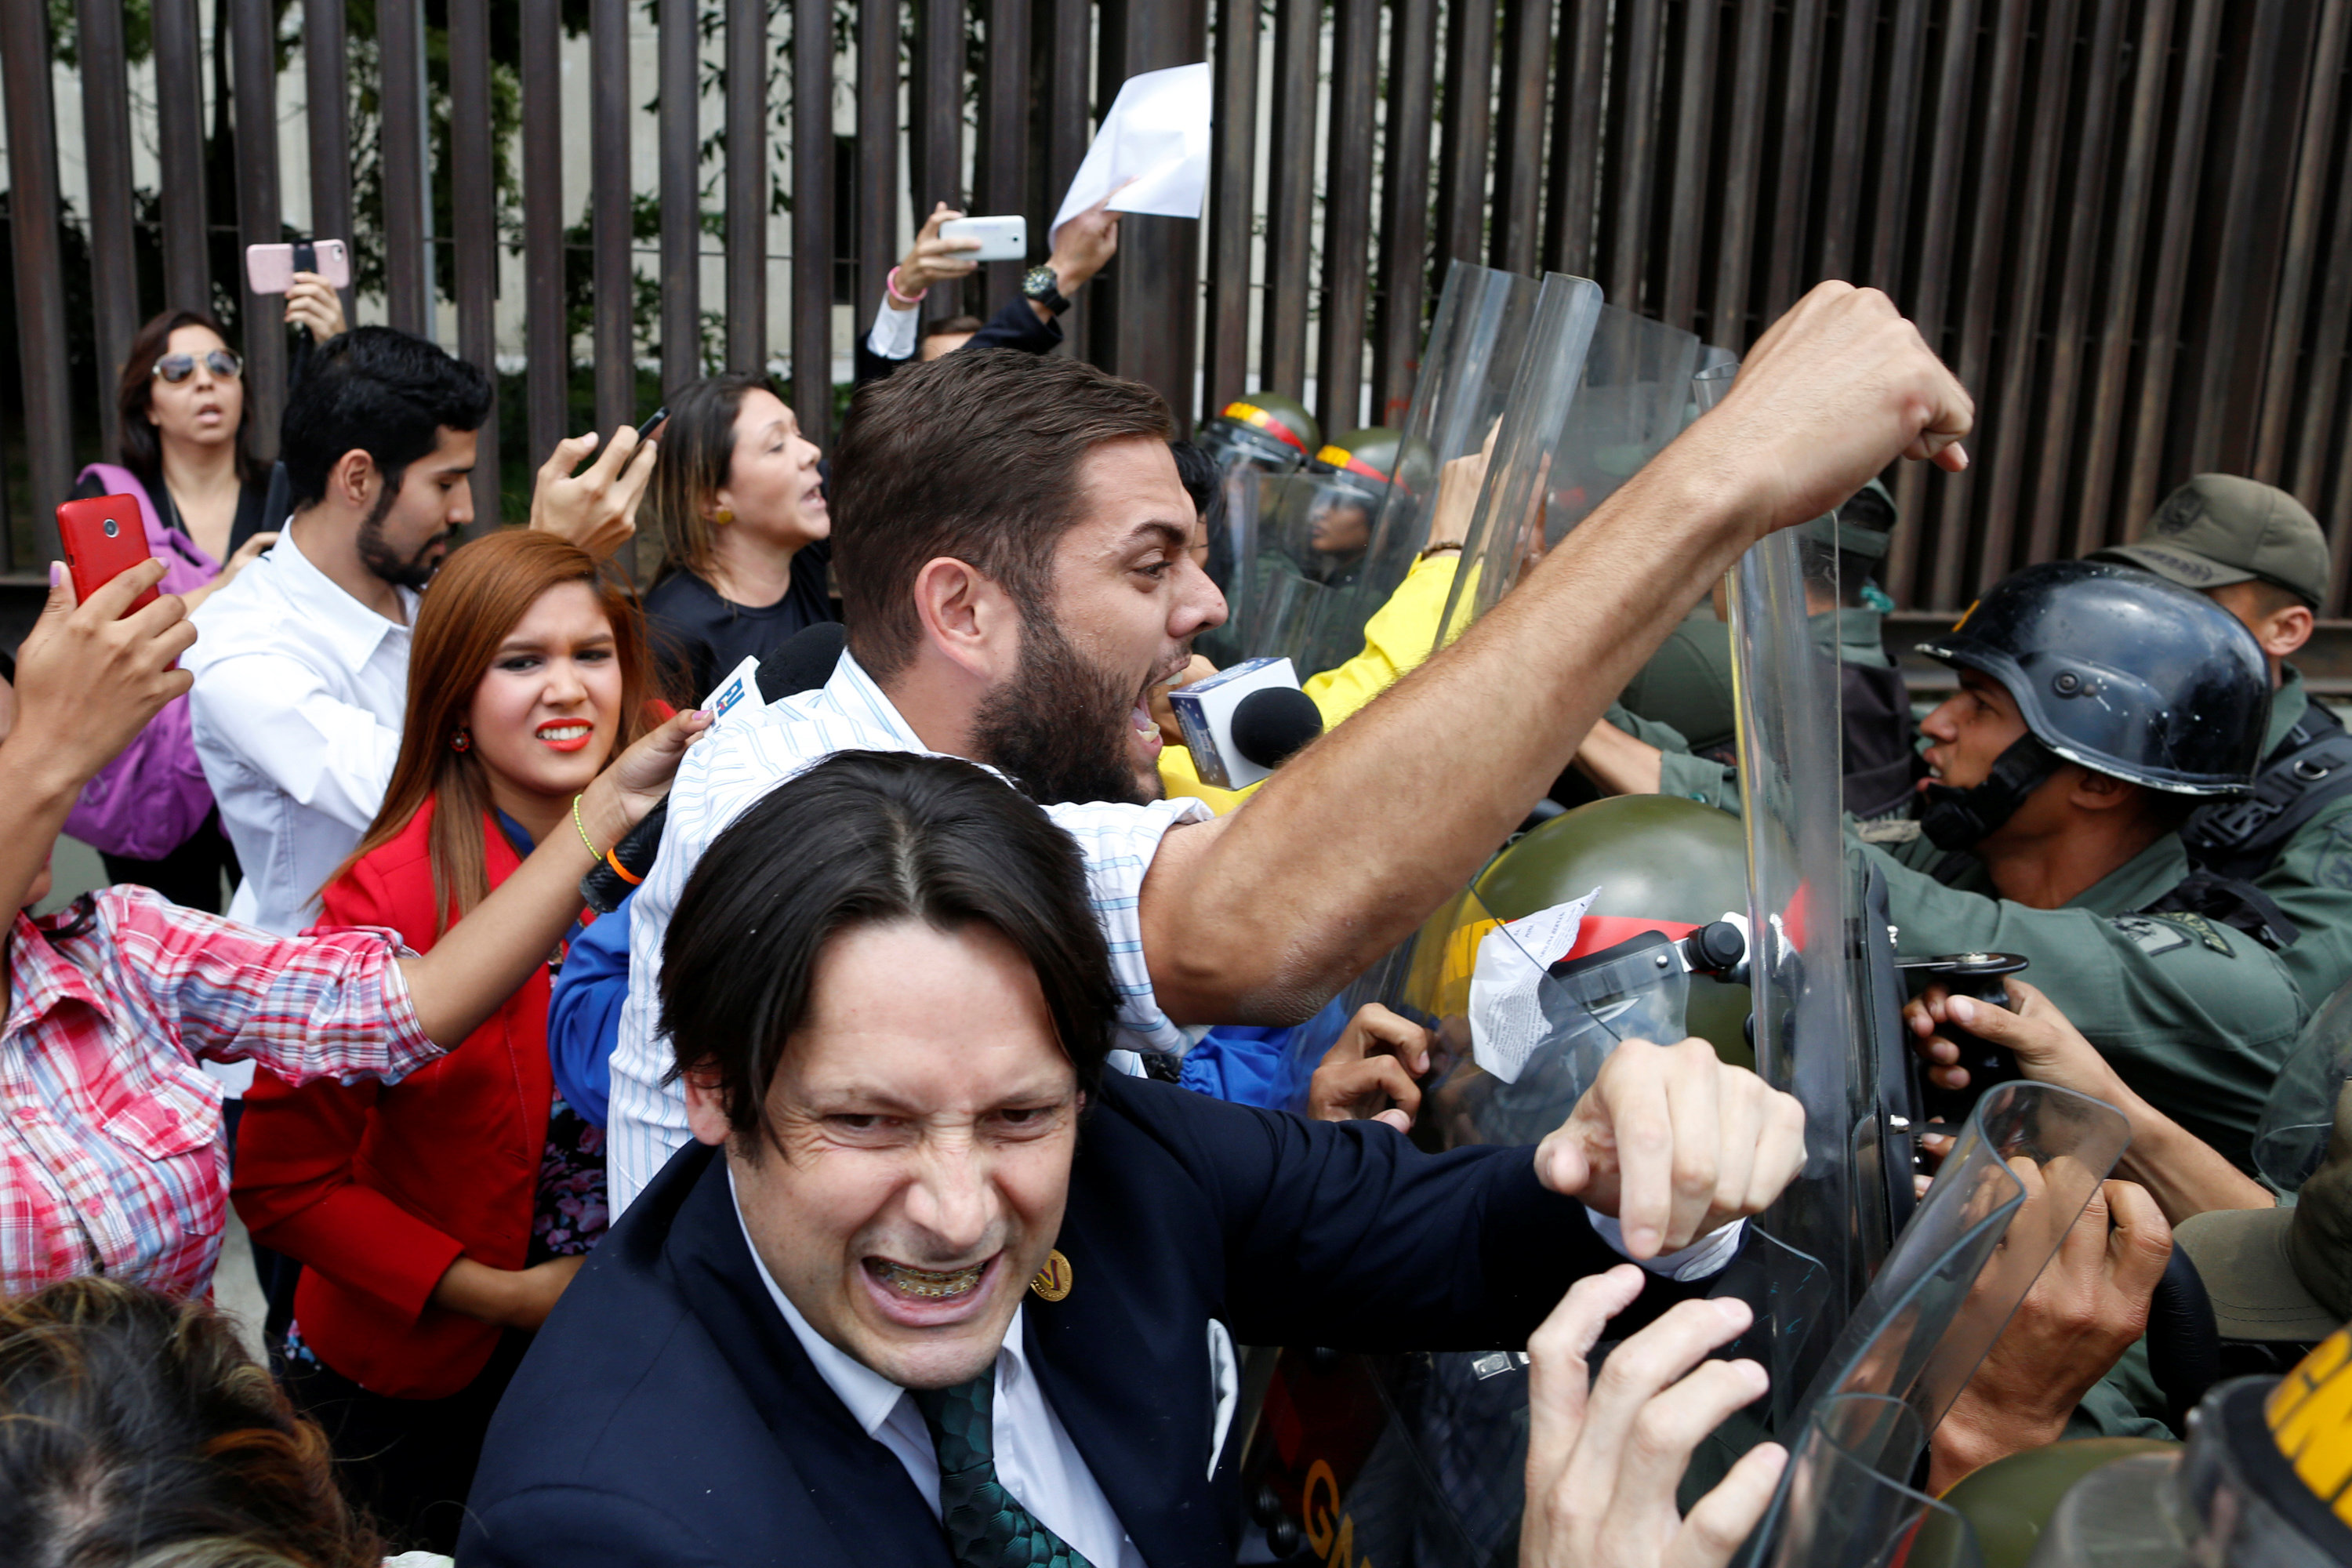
{"points": [[594, 853]]}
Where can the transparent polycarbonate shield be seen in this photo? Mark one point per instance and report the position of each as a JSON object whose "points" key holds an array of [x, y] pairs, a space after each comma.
{"points": [[1524, 1021], [1600, 393], [1810, 1010], [2291, 1139], [2016, 1180], [1333, 540]]}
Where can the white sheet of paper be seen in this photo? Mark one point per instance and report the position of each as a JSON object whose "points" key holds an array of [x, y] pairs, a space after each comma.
{"points": [[1154, 142]]}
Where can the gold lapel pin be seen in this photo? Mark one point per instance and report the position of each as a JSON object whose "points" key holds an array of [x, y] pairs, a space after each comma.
{"points": [[1053, 1281]]}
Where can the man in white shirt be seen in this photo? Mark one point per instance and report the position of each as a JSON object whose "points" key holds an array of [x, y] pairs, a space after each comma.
{"points": [[931, 1269], [301, 662], [1011, 537]]}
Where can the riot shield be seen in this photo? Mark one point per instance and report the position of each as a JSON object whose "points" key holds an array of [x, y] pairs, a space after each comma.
{"points": [[1422, 1458], [1600, 393], [1318, 548], [2291, 1139], [2017, 1179], [1818, 1024]]}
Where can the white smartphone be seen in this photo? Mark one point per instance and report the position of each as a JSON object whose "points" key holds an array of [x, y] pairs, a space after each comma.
{"points": [[1000, 238], [271, 268]]}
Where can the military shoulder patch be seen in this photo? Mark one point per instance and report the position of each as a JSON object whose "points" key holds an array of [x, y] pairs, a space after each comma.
{"points": [[2155, 934]]}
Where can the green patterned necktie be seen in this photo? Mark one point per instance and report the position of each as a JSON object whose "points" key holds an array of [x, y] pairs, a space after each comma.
{"points": [[986, 1528]]}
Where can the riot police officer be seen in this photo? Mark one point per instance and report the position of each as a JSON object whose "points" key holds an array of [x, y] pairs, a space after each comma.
{"points": [[2099, 706], [2257, 552], [1263, 430], [1681, 701]]}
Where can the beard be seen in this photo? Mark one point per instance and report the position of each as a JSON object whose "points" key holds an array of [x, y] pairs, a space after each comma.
{"points": [[378, 557], [1059, 728]]}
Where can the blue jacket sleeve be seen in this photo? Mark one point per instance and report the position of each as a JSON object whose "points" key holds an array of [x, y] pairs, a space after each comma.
{"points": [[1016, 326], [583, 1014]]}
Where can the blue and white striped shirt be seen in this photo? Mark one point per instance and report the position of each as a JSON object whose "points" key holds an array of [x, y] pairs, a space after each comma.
{"points": [[739, 761]]}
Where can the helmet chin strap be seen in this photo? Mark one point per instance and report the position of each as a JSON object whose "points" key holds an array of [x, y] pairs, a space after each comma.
{"points": [[1961, 818]]}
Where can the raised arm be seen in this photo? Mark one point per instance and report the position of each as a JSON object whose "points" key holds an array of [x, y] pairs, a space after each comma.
{"points": [[1261, 915]]}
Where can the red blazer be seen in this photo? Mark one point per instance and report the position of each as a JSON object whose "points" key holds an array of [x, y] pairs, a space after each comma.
{"points": [[377, 1189]]}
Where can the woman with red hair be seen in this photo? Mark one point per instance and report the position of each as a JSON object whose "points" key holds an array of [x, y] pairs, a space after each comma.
{"points": [[439, 1220]]}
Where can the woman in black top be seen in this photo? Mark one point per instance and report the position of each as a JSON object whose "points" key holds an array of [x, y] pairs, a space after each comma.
{"points": [[740, 502]]}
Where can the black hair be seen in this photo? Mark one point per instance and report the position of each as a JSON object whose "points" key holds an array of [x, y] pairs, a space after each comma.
{"points": [[1198, 472], [385, 393], [862, 838], [132, 1425]]}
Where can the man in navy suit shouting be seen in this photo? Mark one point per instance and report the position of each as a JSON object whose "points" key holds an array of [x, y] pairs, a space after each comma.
{"points": [[931, 1287]]}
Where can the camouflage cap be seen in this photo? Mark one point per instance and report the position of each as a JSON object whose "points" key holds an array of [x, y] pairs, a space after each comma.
{"points": [[2282, 1273], [2219, 529]]}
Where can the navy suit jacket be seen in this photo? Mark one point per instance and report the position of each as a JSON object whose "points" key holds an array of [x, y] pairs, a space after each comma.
{"points": [[1014, 326], [667, 1415]]}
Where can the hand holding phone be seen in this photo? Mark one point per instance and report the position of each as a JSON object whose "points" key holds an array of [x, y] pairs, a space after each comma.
{"points": [[271, 268], [103, 538], [1002, 238]]}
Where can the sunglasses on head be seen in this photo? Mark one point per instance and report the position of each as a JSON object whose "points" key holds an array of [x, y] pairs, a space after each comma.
{"points": [[177, 368]]}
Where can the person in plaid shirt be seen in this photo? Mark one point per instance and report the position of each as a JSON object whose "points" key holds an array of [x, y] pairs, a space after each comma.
{"points": [[111, 1157]]}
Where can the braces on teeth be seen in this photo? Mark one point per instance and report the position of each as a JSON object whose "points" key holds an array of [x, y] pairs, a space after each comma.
{"points": [[920, 1282]]}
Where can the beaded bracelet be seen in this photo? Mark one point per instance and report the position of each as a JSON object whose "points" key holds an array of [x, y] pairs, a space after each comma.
{"points": [[890, 285], [594, 853]]}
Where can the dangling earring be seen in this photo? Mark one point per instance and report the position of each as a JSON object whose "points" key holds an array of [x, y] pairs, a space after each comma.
{"points": [[723, 516], [461, 742]]}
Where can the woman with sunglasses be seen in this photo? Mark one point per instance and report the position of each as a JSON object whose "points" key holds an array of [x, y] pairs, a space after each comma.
{"points": [[187, 456]]}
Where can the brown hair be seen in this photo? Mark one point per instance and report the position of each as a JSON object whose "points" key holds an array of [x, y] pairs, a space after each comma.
{"points": [[974, 456], [135, 1428], [140, 446], [477, 598], [698, 447]]}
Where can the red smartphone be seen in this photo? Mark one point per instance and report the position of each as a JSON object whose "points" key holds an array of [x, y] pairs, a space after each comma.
{"points": [[104, 538]]}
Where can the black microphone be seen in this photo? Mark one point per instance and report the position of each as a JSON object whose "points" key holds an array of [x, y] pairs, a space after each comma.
{"points": [[1273, 723], [805, 662]]}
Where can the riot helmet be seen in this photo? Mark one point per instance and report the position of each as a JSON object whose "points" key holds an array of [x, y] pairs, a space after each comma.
{"points": [[2261, 1482], [1352, 476], [1263, 430], [1663, 864], [2113, 669]]}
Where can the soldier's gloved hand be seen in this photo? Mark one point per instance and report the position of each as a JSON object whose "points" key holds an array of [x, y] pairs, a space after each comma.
{"points": [[1675, 1142], [2085, 1310], [2048, 1048], [1368, 1074], [1605, 1455]]}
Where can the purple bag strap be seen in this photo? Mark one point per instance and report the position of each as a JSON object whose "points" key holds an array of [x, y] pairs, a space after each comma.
{"points": [[185, 563]]}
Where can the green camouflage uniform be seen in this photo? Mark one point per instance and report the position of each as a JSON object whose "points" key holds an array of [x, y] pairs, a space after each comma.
{"points": [[2195, 1015], [2311, 879]]}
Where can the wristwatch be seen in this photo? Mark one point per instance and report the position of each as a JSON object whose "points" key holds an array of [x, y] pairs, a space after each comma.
{"points": [[1039, 283]]}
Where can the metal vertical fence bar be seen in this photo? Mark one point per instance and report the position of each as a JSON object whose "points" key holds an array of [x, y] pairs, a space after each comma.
{"points": [[812, 219], [1469, 129], [253, 48], [180, 154], [327, 115], [1348, 213], [1571, 215], [2279, 404], [878, 155], [746, 185], [407, 273], [106, 130], [1687, 205], [1232, 202], [1155, 300], [1519, 139], [547, 339], [1004, 134], [2135, 181], [474, 235], [1740, 182], [1289, 202], [2070, 338], [612, 215], [936, 126], [1794, 198], [1069, 118], [39, 260], [1398, 324], [681, 194]]}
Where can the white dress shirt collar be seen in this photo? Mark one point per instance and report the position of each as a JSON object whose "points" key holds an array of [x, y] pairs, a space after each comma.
{"points": [[854, 692], [349, 627]]}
